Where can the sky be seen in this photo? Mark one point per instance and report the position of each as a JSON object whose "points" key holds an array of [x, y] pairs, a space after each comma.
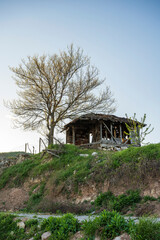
{"points": [[121, 37]]}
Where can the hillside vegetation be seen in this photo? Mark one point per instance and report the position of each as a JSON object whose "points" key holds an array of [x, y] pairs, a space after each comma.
{"points": [[106, 226], [63, 179]]}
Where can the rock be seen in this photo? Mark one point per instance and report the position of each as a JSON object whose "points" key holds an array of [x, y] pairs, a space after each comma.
{"points": [[77, 235], [117, 149], [31, 238], [84, 155], [24, 219], [123, 148], [124, 236], [22, 157], [45, 235], [12, 233], [21, 224], [97, 238], [94, 153]]}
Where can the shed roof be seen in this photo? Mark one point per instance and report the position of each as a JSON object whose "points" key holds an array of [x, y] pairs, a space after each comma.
{"points": [[96, 116]]}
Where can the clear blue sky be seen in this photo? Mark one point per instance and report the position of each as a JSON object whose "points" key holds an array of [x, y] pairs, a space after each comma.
{"points": [[122, 37]]}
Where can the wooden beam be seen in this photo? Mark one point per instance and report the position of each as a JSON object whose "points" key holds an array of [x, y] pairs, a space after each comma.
{"points": [[138, 133], [66, 136], [110, 131], [73, 135], [111, 127], [120, 130], [106, 133], [100, 131]]}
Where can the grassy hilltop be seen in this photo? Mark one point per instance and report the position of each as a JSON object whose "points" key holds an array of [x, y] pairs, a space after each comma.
{"points": [[115, 181], [51, 180]]}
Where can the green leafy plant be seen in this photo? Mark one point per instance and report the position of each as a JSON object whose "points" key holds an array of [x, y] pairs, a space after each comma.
{"points": [[61, 228], [111, 202], [146, 229], [9, 229], [104, 198], [107, 225], [129, 199], [149, 198], [31, 222]]}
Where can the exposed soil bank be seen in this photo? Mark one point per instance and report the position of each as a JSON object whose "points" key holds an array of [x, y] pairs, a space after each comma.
{"points": [[70, 183]]}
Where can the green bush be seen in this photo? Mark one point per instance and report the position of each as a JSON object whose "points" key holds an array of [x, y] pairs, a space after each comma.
{"points": [[146, 229], [9, 229], [125, 200], [149, 198], [104, 198], [107, 225], [111, 202], [31, 222], [61, 228]]}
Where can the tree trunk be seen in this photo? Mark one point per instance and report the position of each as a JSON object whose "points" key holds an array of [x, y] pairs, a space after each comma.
{"points": [[51, 135]]}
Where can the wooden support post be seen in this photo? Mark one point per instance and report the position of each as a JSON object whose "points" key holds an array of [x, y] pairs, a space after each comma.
{"points": [[138, 135], [39, 145], [66, 136], [111, 127], [106, 133], [33, 149], [112, 137], [26, 147], [73, 135], [101, 131], [120, 130]]}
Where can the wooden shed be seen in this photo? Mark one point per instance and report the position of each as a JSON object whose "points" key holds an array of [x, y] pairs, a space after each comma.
{"points": [[94, 128]]}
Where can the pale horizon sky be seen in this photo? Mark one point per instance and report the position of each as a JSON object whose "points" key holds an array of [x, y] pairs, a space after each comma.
{"points": [[122, 38]]}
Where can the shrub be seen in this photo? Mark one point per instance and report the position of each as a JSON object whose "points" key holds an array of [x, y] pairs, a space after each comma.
{"points": [[125, 200], [61, 228], [104, 198], [146, 229], [112, 202], [107, 225], [9, 229], [31, 222], [149, 198]]}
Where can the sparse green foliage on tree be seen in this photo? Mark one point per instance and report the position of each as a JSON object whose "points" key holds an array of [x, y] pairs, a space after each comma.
{"points": [[55, 88], [137, 131]]}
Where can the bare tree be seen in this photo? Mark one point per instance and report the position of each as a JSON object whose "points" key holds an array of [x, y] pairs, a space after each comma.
{"points": [[55, 88]]}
